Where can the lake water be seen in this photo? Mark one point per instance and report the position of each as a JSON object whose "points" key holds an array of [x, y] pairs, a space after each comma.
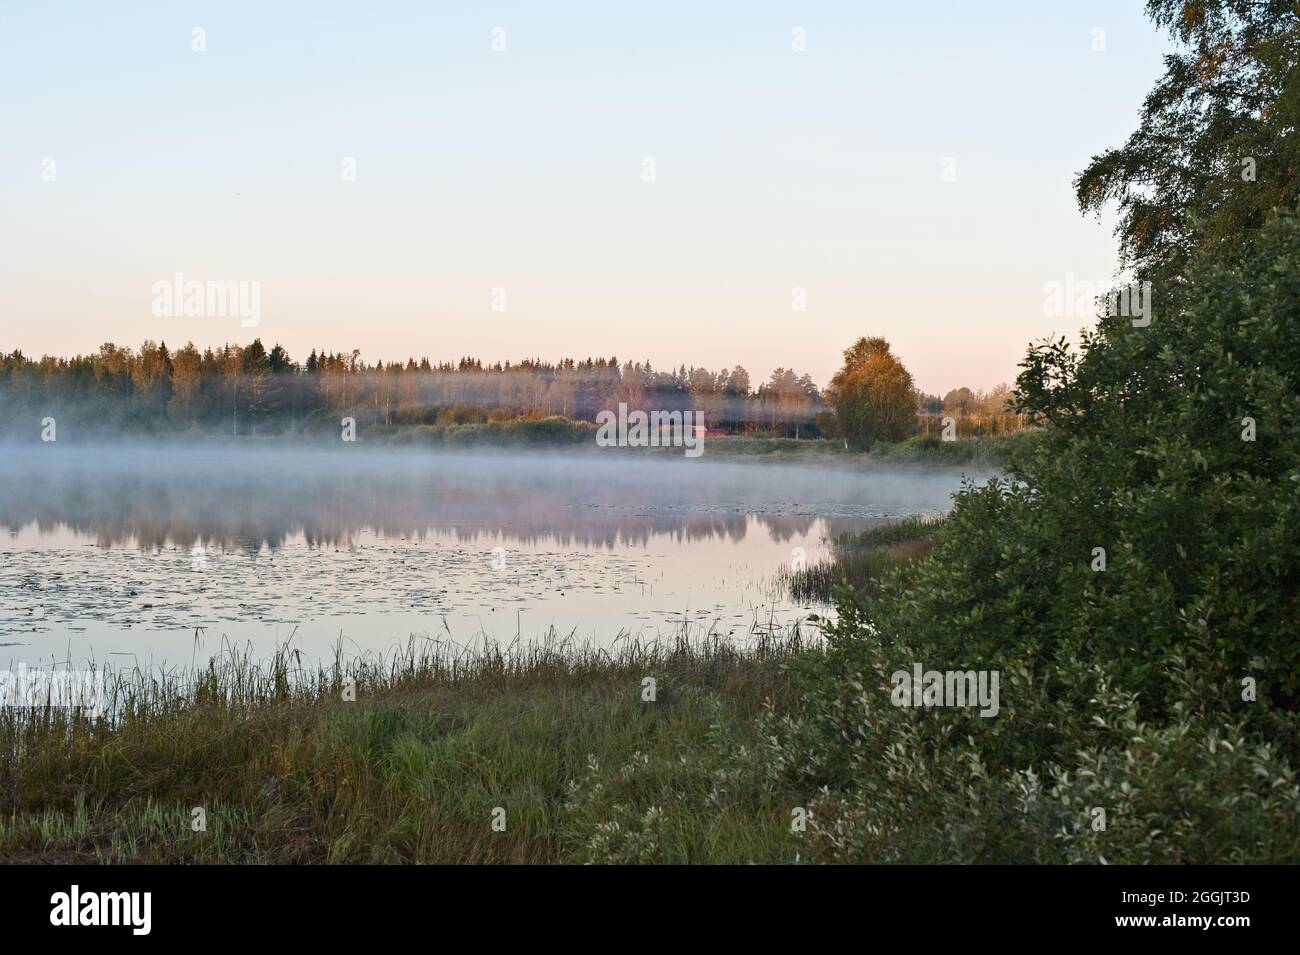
{"points": [[161, 555]]}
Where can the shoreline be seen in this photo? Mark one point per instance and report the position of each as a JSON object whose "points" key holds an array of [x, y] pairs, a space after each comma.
{"points": [[988, 450]]}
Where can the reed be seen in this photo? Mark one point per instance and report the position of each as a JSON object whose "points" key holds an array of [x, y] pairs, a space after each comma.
{"points": [[862, 561], [406, 757]]}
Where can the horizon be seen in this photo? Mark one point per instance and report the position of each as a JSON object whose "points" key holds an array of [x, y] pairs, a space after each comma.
{"points": [[445, 364], [414, 182]]}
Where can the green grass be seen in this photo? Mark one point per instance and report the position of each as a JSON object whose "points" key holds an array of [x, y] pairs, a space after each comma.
{"points": [[862, 561], [902, 531], [580, 437], [287, 770], [986, 450]]}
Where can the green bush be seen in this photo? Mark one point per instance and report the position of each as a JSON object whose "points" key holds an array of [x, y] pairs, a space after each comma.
{"points": [[1123, 689]]}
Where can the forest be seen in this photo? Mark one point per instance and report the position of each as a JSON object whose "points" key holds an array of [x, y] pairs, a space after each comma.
{"points": [[250, 390]]}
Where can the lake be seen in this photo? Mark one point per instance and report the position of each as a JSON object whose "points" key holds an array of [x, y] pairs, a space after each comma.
{"points": [[163, 555]]}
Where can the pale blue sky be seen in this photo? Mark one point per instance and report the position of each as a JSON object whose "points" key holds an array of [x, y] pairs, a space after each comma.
{"points": [[522, 170]]}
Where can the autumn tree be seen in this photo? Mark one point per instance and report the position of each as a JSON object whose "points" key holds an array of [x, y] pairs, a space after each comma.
{"points": [[959, 401], [186, 401], [787, 401], [737, 392], [872, 395]]}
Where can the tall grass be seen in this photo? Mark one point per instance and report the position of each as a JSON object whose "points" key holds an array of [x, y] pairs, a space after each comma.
{"points": [[406, 757], [993, 450], [862, 561]]}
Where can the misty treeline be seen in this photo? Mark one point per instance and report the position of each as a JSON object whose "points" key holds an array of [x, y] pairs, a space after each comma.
{"points": [[248, 389]]}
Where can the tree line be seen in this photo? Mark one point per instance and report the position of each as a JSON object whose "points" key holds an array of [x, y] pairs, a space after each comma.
{"points": [[249, 389]]}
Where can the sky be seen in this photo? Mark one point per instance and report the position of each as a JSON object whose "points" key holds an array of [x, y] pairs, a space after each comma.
{"points": [[702, 184]]}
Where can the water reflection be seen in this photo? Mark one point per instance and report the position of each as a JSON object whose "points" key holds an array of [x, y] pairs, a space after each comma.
{"points": [[134, 550], [245, 499]]}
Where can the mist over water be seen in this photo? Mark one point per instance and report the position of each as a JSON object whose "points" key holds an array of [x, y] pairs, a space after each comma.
{"points": [[162, 553]]}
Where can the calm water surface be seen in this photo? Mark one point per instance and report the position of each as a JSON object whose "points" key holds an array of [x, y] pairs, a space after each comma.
{"points": [[126, 554]]}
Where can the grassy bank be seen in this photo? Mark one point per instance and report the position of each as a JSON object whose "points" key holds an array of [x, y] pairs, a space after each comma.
{"points": [[286, 770], [862, 560], [995, 450], [983, 450], [579, 437], [574, 757]]}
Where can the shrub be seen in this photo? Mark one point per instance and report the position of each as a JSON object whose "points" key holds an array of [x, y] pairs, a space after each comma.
{"points": [[1123, 689]]}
